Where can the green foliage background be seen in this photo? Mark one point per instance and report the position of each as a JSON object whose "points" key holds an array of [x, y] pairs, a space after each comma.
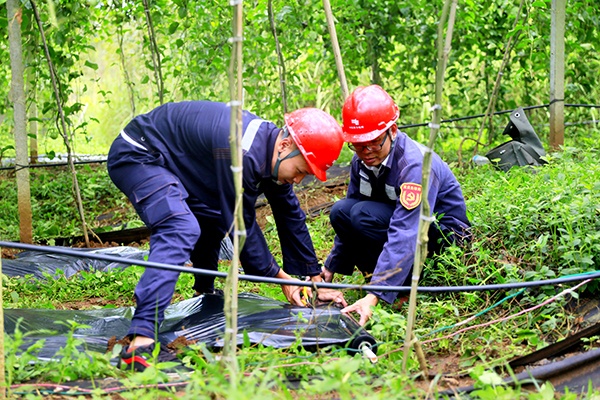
{"points": [[103, 60], [527, 226]]}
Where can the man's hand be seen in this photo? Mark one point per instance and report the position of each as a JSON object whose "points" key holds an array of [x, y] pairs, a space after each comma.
{"points": [[329, 295], [293, 293], [363, 307], [327, 275]]}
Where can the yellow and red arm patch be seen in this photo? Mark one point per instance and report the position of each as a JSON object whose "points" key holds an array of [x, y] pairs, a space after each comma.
{"points": [[410, 195]]}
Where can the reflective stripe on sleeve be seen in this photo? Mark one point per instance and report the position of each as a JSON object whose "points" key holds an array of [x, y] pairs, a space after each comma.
{"points": [[128, 139]]}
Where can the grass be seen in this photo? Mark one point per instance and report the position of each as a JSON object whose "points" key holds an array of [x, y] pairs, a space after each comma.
{"points": [[527, 226]]}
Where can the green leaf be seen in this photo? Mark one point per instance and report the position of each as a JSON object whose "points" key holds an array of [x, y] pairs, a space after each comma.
{"points": [[173, 27], [490, 378], [91, 65], [247, 342]]}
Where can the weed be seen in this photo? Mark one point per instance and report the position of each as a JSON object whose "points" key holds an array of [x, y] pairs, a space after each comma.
{"points": [[526, 226]]}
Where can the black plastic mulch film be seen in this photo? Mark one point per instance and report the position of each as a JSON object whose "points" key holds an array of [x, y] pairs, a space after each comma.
{"points": [[201, 319]]}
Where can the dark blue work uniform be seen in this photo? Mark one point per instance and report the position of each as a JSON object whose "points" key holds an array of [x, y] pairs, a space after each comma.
{"points": [[174, 165], [377, 233]]}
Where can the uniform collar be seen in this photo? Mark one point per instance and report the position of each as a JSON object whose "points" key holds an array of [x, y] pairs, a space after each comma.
{"points": [[386, 162]]}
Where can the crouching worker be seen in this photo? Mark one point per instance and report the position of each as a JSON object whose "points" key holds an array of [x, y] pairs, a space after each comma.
{"points": [[174, 165], [376, 225]]}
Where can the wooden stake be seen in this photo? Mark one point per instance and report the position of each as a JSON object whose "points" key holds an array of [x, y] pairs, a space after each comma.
{"points": [[336, 48], [557, 75]]}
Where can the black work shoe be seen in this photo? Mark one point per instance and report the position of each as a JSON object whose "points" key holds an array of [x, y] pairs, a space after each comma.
{"points": [[142, 357]]}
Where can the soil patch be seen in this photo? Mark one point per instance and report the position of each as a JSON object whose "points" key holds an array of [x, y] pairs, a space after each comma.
{"points": [[313, 201]]}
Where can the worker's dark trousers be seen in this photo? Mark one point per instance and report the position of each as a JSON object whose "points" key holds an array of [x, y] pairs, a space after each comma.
{"points": [[362, 227], [176, 237]]}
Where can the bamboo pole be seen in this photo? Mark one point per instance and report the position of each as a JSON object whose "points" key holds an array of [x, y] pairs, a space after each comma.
{"points": [[443, 51], [336, 48], [239, 233]]}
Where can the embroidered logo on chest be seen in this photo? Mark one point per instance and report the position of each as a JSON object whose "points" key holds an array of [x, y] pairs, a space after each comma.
{"points": [[410, 195]]}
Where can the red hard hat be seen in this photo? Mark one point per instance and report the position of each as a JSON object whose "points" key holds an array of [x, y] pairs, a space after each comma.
{"points": [[368, 112], [318, 136]]}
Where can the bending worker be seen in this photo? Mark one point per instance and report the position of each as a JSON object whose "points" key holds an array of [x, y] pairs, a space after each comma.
{"points": [[174, 165], [376, 225]]}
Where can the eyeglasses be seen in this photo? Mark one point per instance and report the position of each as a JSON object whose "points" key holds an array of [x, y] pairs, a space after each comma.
{"points": [[369, 147]]}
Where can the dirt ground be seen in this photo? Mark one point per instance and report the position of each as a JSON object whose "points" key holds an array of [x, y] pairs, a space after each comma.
{"points": [[313, 200]]}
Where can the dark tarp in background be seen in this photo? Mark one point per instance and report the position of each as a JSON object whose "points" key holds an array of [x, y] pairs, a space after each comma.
{"points": [[525, 147], [201, 319], [37, 263]]}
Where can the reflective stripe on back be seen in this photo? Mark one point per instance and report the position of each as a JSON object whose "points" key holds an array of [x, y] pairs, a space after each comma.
{"points": [[250, 133]]}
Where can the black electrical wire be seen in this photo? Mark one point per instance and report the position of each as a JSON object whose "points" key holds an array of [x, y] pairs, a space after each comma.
{"points": [[278, 281], [43, 165], [46, 165], [444, 121]]}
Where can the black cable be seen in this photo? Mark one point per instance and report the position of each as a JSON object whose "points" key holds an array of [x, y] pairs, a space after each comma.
{"points": [[499, 113], [278, 281], [582, 105], [45, 165], [399, 126], [592, 122]]}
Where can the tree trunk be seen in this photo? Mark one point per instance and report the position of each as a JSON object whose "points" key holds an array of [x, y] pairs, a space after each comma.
{"points": [[154, 51], [128, 81], [17, 90], [63, 123], [281, 64], [31, 91]]}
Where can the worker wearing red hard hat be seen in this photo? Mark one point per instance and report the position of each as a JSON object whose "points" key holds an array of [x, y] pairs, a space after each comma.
{"points": [[174, 164], [376, 225]]}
